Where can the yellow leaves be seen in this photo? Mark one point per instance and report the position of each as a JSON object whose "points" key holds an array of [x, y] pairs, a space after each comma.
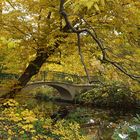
{"points": [[30, 119], [118, 41], [11, 115], [21, 132], [28, 127], [83, 3], [11, 103], [32, 131], [96, 7], [105, 95], [39, 137], [26, 112], [47, 123], [2, 118], [68, 78], [28, 116], [9, 138], [21, 123], [3, 40], [10, 132], [102, 2], [68, 131], [15, 119], [90, 3], [11, 44], [97, 4]]}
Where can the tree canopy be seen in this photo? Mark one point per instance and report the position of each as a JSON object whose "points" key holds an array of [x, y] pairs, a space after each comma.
{"points": [[40, 34]]}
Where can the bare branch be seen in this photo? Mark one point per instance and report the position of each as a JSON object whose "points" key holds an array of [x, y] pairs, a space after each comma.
{"points": [[81, 56], [69, 26], [11, 4]]}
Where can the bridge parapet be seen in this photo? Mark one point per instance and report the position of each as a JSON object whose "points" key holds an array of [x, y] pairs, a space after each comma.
{"points": [[55, 76], [63, 77], [4, 76]]}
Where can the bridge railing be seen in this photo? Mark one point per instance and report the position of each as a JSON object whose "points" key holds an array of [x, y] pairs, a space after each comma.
{"points": [[54, 76], [64, 77], [4, 76]]}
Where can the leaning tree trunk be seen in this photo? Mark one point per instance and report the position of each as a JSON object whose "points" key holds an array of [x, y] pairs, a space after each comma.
{"points": [[32, 69]]}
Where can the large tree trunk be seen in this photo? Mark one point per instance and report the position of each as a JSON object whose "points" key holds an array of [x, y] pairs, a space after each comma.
{"points": [[32, 69]]}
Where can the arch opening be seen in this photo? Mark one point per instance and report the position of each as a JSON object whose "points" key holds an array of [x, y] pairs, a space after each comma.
{"points": [[63, 92]]}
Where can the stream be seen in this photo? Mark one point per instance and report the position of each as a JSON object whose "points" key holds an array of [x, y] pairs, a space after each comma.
{"points": [[97, 123]]}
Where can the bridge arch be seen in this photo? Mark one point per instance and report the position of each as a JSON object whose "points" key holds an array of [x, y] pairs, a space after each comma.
{"points": [[63, 91]]}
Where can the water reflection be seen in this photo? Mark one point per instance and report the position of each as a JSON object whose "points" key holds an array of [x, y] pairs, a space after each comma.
{"points": [[97, 123]]}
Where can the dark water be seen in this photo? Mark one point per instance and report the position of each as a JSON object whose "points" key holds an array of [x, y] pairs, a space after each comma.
{"points": [[97, 123]]}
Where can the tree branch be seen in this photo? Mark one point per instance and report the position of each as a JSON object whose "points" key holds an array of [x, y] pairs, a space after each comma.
{"points": [[105, 58], [78, 32], [81, 56]]}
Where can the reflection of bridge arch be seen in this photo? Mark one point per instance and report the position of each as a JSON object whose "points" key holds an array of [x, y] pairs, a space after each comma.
{"points": [[67, 91]]}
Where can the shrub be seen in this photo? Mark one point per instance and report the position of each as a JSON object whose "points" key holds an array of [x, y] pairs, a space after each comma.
{"points": [[68, 131], [18, 122], [115, 94]]}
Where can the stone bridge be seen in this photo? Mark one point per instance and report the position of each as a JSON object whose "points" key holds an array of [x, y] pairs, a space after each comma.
{"points": [[68, 85], [67, 91]]}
